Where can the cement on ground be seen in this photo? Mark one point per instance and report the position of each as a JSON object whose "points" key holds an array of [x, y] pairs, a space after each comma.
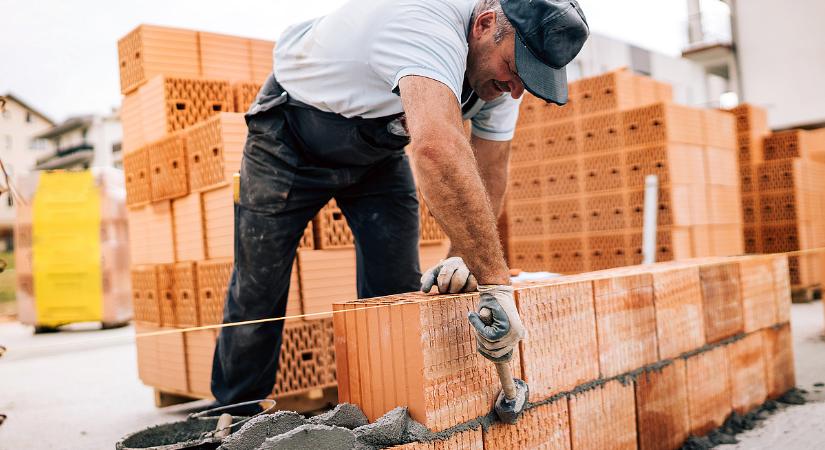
{"points": [[87, 394]]}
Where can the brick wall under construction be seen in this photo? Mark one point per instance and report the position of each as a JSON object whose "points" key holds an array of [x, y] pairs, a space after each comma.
{"points": [[633, 357], [184, 133], [576, 194]]}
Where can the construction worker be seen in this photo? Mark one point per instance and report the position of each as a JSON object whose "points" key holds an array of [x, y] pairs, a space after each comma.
{"points": [[349, 92]]}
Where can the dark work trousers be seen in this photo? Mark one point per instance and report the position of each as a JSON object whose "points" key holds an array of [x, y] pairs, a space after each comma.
{"points": [[296, 159]]}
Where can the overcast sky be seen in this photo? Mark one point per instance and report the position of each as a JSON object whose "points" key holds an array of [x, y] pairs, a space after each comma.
{"points": [[61, 56]]}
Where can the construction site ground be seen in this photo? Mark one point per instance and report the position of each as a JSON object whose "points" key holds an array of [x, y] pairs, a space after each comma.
{"points": [[79, 390]]}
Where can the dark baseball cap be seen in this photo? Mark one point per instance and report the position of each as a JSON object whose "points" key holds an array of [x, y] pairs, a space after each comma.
{"points": [[549, 34]]}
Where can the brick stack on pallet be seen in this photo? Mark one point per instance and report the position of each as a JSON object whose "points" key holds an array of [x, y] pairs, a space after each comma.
{"points": [[184, 97], [576, 195], [783, 193], [636, 356]]}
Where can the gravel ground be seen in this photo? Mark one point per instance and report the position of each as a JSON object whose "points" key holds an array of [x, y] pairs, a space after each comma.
{"points": [[79, 390]]}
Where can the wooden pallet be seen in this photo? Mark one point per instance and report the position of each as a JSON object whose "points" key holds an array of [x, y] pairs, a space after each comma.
{"points": [[307, 401], [807, 294]]}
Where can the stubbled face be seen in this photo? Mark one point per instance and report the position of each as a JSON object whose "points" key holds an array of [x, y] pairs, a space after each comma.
{"points": [[491, 67]]}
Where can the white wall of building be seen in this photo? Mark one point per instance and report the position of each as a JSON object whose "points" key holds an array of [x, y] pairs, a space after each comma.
{"points": [[17, 149], [104, 134], [781, 50]]}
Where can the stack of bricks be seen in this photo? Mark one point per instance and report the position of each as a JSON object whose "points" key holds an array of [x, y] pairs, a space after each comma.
{"points": [[783, 188], [635, 356], [184, 132], [576, 195]]}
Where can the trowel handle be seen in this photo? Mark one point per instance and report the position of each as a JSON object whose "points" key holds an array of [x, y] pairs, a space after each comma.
{"points": [[503, 368]]}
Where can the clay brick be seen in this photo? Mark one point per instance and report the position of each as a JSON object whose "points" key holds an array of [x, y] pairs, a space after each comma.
{"points": [[664, 216], [607, 250], [151, 50], [170, 104], [625, 320], [162, 359], [779, 175], [662, 407], [747, 372], [747, 178], [750, 118], [528, 218], [245, 94], [465, 440], [601, 133], [671, 243], [190, 240], [603, 172], [708, 390], [166, 294], [219, 222], [562, 216], [138, 181], [779, 206], [326, 276], [566, 255], [719, 129], [525, 147], [308, 238], [606, 212], [726, 239], [758, 294], [224, 57], [167, 167], [528, 254], [721, 166], [663, 123], [331, 229], [612, 91], [559, 139], [779, 360], [559, 178], [214, 149], [185, 288], [307, 359], [546, 427], [151, 239], [131, 119], [604, 417], [721, 299], [425, 358], [750, 209], [725, 205], [261, 54], [213, 280], [753, 239], [200, 349], [673, 163], [782, 288], [145, 295], [794, 144], [561, 352], [525, 183], [677, 298]]}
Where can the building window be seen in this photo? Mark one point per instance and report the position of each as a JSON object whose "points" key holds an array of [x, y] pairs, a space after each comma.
{"points": [[28, 117]]}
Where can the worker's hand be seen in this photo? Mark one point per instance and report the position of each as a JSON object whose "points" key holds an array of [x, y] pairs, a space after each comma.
{"points": [[498, 335], [450, 275]]}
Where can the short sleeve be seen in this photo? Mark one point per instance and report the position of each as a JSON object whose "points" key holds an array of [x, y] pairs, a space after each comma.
{"points": [[496, 120], [423, 44]]}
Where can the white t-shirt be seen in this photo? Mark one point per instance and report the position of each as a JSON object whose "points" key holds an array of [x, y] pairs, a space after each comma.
{"points": [[350, 61]]}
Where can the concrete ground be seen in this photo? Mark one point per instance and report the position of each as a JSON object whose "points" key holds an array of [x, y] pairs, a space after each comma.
{"points": [[79, 390]]}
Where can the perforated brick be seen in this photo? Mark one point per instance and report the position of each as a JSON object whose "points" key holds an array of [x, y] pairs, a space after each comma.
{"points": [[185, 286], [167, 167], [607, 251], [794, 144], [528, 254], [245, 93], [525, 182], [331, 228], [606, 212], [662, 407], [661, 123], [546, 427], [625, 320], [215, 148], [758, 294], [525, 148], [604, 172], [559, 139], [213, 280], [721, 165], [750, 118], [423, 356], [566, 255], [601, 133], [145, 295], [719, 129], [779, 360], [708, 389], [190, 239], [753, 239], [721, 299], [151, 50], [673, 163], [782, 288], [664, 216], [530, 218], [778, 175], [136, 173], [614, 91], [561, 352], [560, 178], [200, 349], [778, 207], [430, 231], [677, 299], [563, 216], [326, 276], [224, 57], [166, 294], [603, 417], [307, 359], [671, 243], [747, 372], [219, 222]]}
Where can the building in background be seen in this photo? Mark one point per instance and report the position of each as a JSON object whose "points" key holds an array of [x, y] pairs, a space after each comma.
{"points": [[82, 142], [20, 124], [773, 63]]}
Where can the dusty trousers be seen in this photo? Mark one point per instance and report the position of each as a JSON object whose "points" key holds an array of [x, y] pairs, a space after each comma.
{"points": [[296, 158]]}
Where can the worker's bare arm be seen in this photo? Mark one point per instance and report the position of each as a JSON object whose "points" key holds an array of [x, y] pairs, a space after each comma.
{"points": [[449, 179], [493, 159]]}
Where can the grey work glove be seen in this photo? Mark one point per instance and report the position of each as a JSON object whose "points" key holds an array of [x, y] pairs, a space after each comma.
{"points": [[497, 341], [451, 276]]}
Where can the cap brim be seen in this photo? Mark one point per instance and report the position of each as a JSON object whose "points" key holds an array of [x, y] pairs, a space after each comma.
{"points": [[540, 79]]}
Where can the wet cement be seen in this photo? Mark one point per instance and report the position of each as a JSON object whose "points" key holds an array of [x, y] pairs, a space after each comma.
{"points": [[192, 430], [311, 436], [345, 415], [253, 433]]}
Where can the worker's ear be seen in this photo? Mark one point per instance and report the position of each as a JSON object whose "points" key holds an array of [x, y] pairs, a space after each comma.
{"points": [[485, 24]]}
